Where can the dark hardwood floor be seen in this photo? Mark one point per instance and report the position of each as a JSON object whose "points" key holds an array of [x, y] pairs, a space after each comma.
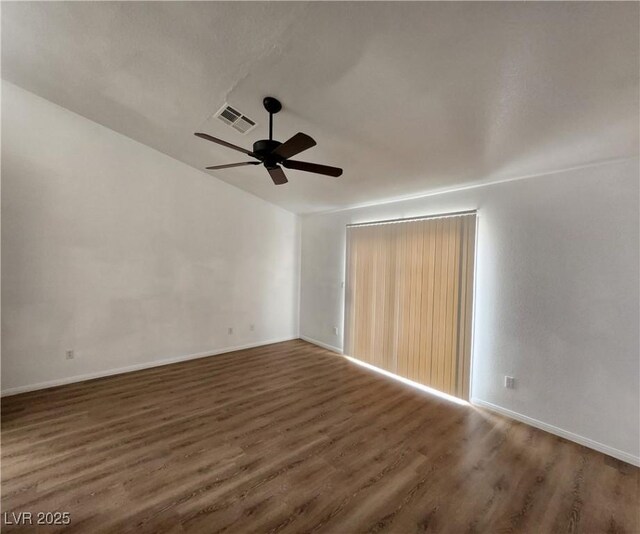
{"points": [[292, 438]]}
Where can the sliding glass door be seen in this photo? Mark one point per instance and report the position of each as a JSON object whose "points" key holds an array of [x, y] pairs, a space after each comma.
{"points": [[409, 298]]}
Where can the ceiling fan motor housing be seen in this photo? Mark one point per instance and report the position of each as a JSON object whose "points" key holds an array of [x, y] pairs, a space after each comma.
{"points": [[263, 149]]}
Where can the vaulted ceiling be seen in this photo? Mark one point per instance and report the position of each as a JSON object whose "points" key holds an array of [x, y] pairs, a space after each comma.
{"points": [[406, 97]]}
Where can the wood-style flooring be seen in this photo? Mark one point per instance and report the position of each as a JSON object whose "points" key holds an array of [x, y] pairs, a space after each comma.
{"points": [[292, 438]]}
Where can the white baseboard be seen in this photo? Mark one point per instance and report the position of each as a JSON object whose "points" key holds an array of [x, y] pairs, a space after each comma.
{"points": [[600, 447], [321, 344], [136, 367]]}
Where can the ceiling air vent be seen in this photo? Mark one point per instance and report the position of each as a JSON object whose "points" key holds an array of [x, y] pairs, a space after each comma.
{"points": [[235, 118]]}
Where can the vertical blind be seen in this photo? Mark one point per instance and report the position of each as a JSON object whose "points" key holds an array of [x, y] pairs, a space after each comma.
{"points": [[409, 298]]}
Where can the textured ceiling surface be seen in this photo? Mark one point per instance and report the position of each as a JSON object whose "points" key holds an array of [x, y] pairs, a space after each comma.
{"points": [[406, 97]]}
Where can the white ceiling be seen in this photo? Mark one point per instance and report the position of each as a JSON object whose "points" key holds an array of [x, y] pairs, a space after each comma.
{"points": [[406, 97]]}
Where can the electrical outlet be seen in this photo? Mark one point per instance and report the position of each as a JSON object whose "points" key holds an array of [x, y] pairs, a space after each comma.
{"points": [[335, 330], [70, 355], [509, 382], [230, 330], [252, 327]]}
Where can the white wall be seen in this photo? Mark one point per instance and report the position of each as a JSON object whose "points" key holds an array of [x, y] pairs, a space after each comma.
{"points": [[557, 296], [125, 255]]}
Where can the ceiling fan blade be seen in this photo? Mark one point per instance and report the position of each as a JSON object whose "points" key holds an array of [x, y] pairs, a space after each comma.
{"points": [[229, 165], [312, 167], [277, 175], [223, 143], [294, 145]]}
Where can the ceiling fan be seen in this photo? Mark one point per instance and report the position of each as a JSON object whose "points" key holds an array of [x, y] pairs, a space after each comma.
{"points": [[272, 153]]}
